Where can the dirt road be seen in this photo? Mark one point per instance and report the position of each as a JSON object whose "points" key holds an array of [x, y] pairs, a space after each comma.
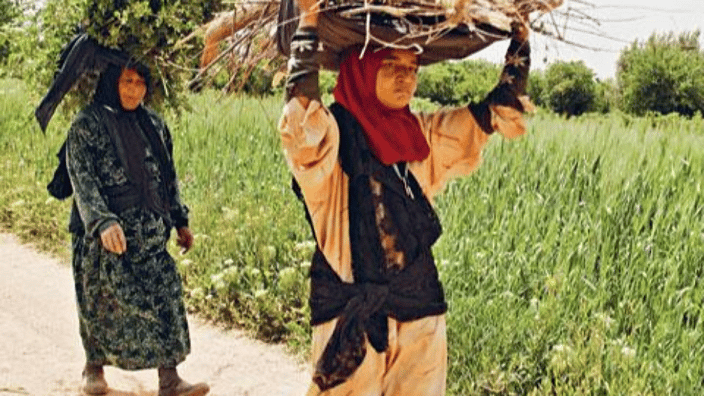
{"points": [[41, 353]]}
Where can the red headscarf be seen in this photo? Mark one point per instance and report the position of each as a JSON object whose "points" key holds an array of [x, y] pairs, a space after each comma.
{"points": [[392, 134]]}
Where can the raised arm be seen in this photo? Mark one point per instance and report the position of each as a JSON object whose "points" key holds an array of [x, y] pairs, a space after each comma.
{"points": [[457, 136], [302, 81], [502, 108]]}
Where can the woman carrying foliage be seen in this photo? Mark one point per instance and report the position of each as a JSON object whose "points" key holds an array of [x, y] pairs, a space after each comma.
{"points": [[367, 169], [129, 293]]}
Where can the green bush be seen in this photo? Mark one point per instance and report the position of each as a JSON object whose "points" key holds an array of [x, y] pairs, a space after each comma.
{"points": [[327, 81], [569, 88], [536, 87], [664, 74], [457, 83], [10, 11], [606, 96]]}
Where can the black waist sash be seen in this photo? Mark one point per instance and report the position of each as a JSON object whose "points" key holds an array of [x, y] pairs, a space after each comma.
{"points": [[363, 307]]}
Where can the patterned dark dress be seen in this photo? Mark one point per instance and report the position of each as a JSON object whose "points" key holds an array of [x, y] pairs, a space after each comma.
{"points": [[130, 306]]}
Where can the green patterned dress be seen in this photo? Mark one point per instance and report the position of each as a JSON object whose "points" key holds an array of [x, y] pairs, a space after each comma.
{"points": [[130, 306]]}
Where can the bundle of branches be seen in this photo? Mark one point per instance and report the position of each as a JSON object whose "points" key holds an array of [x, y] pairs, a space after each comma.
{"points": [[436, 29], [247, 31], [150, 30]]}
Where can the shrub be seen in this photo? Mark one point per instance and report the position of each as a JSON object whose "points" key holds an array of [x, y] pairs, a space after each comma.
{"points": [[536, 87], [457, 83], [606, 96], [664, 74], [569, 88]]}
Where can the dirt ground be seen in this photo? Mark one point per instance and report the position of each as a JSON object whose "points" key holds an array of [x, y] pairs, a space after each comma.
{"points": [[41, 352]]}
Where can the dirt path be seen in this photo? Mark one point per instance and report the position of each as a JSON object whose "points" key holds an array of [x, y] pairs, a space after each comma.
{"points": [[41, 352]]}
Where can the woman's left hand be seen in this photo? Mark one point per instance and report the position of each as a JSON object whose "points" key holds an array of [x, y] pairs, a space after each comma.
{"points": [[185, 239], [520, 29]]}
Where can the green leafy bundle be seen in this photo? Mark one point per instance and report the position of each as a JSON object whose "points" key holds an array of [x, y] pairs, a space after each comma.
{"points": [[152, 32]]}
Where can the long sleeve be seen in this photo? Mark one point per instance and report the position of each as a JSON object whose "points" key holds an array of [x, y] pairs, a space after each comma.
{"points": [[457, 136], [502, 108], [303, 65], [310, 138], [456, 141], [81, 163]]}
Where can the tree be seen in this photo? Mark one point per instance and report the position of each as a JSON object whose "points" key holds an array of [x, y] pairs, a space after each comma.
{"points": [[606, 96], [664, 74], [455, 83], [569, 88], [536, 87], [10, 10]]}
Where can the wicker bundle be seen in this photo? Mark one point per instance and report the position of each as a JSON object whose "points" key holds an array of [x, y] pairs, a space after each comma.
{"points": [[437, 29]]}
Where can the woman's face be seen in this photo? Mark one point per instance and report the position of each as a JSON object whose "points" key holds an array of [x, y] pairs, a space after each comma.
{"points": [[132, 89], [397, 79]]}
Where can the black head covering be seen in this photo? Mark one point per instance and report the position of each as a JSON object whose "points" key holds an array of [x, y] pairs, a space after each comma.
{"points": [[82, 54], [106, 91]]}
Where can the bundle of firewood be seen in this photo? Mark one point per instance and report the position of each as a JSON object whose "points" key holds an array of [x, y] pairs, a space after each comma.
{"points": [[436, 29]]}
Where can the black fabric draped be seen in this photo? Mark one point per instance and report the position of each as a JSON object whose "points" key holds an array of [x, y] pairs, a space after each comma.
{"points": [[131, 132], [363, 307]]}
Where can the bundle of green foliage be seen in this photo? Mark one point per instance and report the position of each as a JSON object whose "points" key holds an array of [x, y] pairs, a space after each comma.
{"points": [[150, 30], [663, 74]]}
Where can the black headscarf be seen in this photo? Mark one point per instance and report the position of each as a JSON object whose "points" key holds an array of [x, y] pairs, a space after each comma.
{"points": [[135, 131]]}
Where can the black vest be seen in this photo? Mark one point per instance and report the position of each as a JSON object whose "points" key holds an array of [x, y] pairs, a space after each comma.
{"points": [[362, 307], [119, 198]]}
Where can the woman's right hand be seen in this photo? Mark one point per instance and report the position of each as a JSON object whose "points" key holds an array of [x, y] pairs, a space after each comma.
{"points": [[113, 239], [309, 12]]}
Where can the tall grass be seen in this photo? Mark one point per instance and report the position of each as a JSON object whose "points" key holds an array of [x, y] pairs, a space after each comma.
{"points": [[26, 158], [571, 259]]}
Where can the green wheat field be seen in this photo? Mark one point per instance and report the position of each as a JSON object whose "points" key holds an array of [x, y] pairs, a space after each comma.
{"points": [[572, 259]]}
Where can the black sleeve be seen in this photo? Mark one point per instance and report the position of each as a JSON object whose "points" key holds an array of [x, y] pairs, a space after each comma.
{"points": [[512, 85], [303, 65]]}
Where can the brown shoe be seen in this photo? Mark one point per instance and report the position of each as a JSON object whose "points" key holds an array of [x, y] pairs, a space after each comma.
{"points": [[183, 388], [94, 380], [170, 384]]}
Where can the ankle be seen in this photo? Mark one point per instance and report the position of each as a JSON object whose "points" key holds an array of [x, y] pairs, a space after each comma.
{"points": [[168, 377], [91, 368]]}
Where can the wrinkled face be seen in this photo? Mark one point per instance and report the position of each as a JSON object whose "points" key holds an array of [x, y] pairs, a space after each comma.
{"points": [[132, 89], [397, 79]]}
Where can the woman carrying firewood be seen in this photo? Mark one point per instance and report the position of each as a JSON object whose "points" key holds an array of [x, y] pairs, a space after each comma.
{"points": [[367, 169]]}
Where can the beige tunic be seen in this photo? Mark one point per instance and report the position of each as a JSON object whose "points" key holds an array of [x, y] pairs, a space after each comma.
{"points": [[416, 361]]}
